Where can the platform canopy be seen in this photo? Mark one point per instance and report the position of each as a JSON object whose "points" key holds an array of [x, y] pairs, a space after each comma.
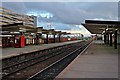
{"points": [[18, 27], [100, 27]]}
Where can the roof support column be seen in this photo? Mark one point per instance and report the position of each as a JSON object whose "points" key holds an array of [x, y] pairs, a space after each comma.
{"points": [[59, 37], [105, 38], [54, 37], [46, 38], [115, 39], [37, 39]]}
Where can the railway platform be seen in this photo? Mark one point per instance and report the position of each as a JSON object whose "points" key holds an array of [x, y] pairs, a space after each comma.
{"points": [[9, 52], [97, 61]]}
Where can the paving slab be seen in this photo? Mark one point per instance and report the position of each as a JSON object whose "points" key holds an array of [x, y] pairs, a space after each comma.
{"points": [[98, 61]]}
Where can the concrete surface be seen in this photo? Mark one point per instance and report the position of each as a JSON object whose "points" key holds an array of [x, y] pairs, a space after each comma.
{"points": [[8, 52], [98, 61]]}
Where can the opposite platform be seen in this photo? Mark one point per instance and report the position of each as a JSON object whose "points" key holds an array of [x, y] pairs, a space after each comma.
{"points": [[8, 52], [98, 61]]}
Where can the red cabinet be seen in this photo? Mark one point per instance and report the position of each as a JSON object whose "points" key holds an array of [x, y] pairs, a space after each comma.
{"points": [[19, 41]]}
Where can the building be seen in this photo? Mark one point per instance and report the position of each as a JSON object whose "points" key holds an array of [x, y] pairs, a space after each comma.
{"points": [[14, 26], [19, 30], [8, 17]]}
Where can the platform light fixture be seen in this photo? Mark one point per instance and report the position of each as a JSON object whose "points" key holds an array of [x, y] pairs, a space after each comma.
{"points": [[39, 31], [112, 34], [103, 32], [111, 31], [107, 29], [116, 29]]}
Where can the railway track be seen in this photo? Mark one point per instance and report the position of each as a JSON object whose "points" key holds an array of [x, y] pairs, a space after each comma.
{"points": [[30, 66], [50, 72], [21, 58]]}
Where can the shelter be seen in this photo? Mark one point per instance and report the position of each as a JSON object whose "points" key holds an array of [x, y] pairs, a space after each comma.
{"points": [[110, 29]]}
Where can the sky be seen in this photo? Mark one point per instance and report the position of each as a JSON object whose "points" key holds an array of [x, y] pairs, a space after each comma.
{"points": [[66, 16]]}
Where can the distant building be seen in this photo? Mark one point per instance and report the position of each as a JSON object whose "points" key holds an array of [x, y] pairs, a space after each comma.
{"points": [[35, 20], [10, 17], [16, 28]]}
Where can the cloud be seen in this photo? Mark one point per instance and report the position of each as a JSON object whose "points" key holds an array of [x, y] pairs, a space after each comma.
{"points": [[59, 26], [69, 13], [66, 15], [18, 7], [60, 1]]}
